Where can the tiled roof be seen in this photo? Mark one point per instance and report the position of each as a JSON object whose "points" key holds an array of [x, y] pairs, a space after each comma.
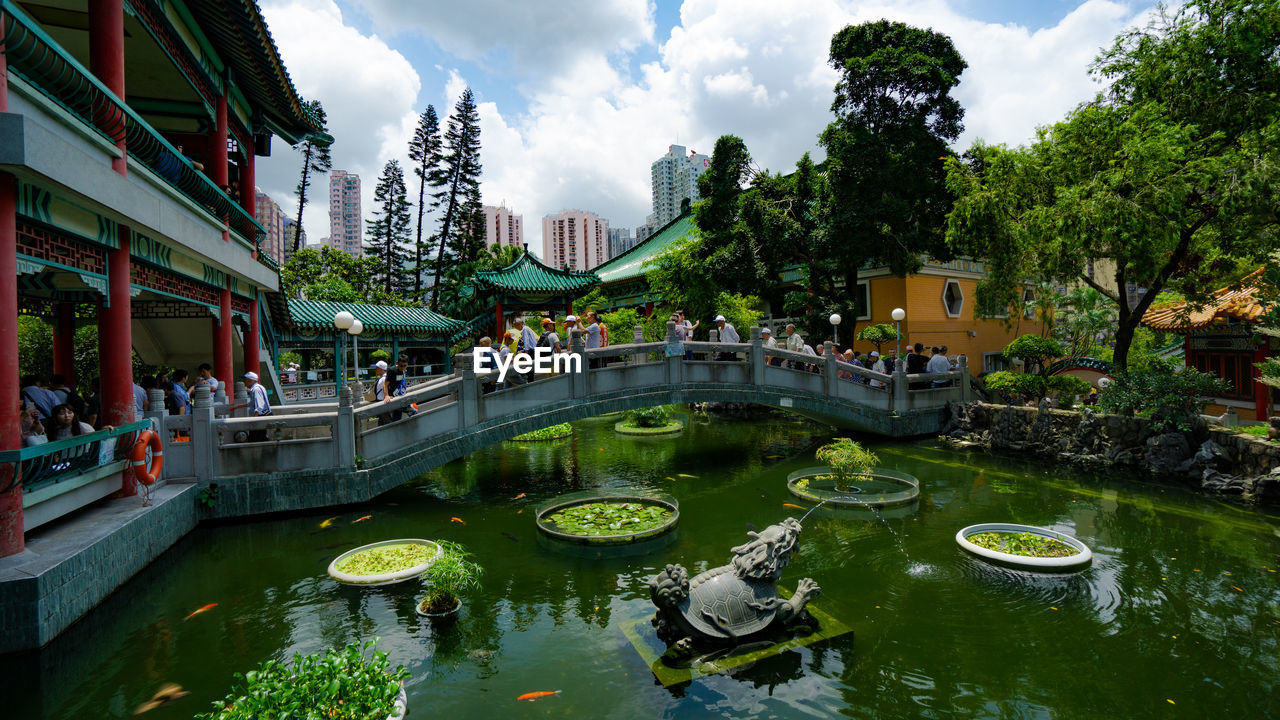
{"points": [[318, 315], [1238, 303], [630, 264], [527, 275]]}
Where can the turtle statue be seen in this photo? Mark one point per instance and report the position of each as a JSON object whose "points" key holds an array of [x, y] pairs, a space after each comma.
{"points": [[733, 604]]}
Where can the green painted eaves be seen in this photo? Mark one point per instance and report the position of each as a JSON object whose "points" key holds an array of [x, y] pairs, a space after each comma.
{"points": [[528, 275], [318, 315], [630, 264]]}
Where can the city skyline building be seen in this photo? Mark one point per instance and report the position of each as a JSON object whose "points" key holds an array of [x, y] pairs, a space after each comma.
{"points": [[345, 221], [576, 239], [674, 178], [503, 227], [268, 214], [290, 228], [620, 241]]}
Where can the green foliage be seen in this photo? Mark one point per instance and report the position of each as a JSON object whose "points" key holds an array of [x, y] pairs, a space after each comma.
{"points": [[847, 459], [455, 193], [621, 324], [1066, 387], [878, 334], [424, 151], [1142, 351], [1016, 386], [1173, 400], [553, 432], [331, 275], [290, 356], [387, 232], [684, 278], [452, 574], [1259, 430], [315, 159], [609, 518], [208, 495], [1035, 351], [738, 310], [386, 559], [1025, 544], [656, 416], [341, 684], [1083, 318], [1169, 177]]}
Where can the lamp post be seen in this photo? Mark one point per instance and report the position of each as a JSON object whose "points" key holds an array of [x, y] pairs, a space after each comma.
{"points": [[354, 331], [342, 320], [835, 328], [898, 315]]}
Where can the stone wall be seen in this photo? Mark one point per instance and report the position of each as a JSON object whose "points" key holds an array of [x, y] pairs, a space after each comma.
{"points": [[1215, 460]]}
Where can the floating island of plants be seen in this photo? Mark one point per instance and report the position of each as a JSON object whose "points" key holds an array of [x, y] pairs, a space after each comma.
{"points": [[880, 487], [555, 432], [655, 420], [1025, 546], [383, 563], [608, 520]]}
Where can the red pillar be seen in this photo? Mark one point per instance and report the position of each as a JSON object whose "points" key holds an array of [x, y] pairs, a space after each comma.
{"points": [[106, 54], [11, 523], [64, 334], [252, 358], [218, 153], [1261, 393], [248, 180], [115, 348], [223, 361], [497, 336]]}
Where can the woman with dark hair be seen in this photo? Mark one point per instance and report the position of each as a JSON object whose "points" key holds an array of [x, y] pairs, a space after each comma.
{"points": [[64, 424]]}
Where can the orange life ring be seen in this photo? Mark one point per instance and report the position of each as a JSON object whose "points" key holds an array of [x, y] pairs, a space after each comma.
{"points": [[147, 439]]}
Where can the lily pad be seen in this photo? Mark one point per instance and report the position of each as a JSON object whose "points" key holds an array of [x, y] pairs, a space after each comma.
{"points": [[609, 518], [386, 559], [1025, 544]]}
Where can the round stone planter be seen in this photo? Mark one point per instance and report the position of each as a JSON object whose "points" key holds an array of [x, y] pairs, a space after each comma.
{"points": [[623, 428], [384, 578], [549, 529], [401, 707], [439, 616], [1079, 561], [883, 488]]}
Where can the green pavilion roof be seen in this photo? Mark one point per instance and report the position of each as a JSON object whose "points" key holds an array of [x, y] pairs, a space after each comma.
{"points": [[239, 32], [317, 315], [529, 276], [630, 264]]}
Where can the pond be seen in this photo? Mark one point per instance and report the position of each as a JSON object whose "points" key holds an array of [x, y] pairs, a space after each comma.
{"points": [[1178, 617]]}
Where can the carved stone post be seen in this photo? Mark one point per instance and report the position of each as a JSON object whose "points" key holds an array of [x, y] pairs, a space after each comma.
{"points": [[637, 338], [203, 442], [901, 401], [966, 384], [756, 356], [220, 398], [829, 368], [675, 363], [468, 393], [344, 430], [578, 383], [242, 398]]}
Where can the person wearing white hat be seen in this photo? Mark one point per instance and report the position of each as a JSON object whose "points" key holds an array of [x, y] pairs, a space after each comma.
{"points": [[258, 404], [767, 336], [727, 335], [878, 365]]}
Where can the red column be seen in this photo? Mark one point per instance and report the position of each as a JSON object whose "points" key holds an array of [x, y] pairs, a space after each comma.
{"points": [[11, 524], [218, 153], [497, 337], [115, 348], [64, 334], [106, 54], [223, 361], [252, 359], [1261, 393], [248, 179]]}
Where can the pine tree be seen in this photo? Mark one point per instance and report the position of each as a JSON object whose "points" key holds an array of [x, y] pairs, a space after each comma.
{"points": [[315, 158], [456, 183], [424, 150], [389, 229]]}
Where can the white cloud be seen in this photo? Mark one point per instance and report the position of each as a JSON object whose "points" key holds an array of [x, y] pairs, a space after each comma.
{"points": [[369, 92]]}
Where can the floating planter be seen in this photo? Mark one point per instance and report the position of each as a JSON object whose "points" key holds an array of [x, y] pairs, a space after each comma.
{"points": [[878, 488], [1025, 546], [627, 428], [608, 520], [384, 563], [656, 420], [555, 432]]}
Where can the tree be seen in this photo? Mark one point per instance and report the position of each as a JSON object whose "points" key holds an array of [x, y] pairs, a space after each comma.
{"points": [[1034, 351], [389, 228], [424, 150], [1083, 318], [334, 276], [878, 335], [315, 158], [456, 187], [895, 116], [1169, 176]]}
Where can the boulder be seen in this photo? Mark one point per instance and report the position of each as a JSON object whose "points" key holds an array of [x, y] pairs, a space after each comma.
{"points": [[1165, 453]]}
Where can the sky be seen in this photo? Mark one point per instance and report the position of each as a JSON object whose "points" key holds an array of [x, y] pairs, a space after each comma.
{"points": [[578, 97]]}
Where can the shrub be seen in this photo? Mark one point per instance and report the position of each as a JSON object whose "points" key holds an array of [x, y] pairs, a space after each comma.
{"points": [[337, 684], [878, 335], [1035, 351], [655, 416], [1173, 400], [1066, 387], [847, 459], [1015, 386]]}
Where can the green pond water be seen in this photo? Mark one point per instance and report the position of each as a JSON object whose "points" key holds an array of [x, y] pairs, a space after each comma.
{"points": [[1179, 616]]}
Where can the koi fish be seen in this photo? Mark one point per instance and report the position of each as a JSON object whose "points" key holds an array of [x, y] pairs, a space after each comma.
{"points": [[792, 505], [686, 475], [524, 447], [362, 519], [518, 496], [510, 537], [772, 457], [166, 694], [1240, 589], [204, 609], [520, 511], [458, 520], [668, 478], [536, 695], [328, 522]]}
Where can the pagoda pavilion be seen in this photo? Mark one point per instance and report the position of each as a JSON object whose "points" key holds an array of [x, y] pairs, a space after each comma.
{"points": [[527, 285]]}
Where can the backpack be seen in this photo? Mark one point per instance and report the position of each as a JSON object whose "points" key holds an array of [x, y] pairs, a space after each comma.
{"points": [[604, 335], [370, 395], [543, 341]]}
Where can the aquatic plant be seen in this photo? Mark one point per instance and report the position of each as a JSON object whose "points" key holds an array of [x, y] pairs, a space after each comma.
{"points": [[452, 574], [609, 518], [1025, 544], [342, 684], [386, 559], [848, 460], [656, 416], [555, 432]]}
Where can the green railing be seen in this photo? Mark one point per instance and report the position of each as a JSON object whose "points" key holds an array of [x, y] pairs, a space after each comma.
{"points": [[42, 465], [39, 60]]}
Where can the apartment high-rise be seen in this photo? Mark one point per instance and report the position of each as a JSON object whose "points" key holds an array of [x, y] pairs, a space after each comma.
{"points": [[675, 178], [345, 225], [620, 241], [291, 229], [271, 217], [503, 227], [575, 238]]}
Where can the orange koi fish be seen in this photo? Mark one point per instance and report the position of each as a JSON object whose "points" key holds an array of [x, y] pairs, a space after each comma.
{"points": [[166, 694], [536, 695], [791, 505], [204, 609], [458, 520], [518, 496], [362, 519]]}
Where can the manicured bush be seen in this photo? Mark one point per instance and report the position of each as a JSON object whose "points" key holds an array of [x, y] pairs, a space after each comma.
{"points": [[1015, 386], [342, 684], [554, 432], [656, 416], [1173, 400], [1035, 351], [1065, 388], [848, 460]]}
